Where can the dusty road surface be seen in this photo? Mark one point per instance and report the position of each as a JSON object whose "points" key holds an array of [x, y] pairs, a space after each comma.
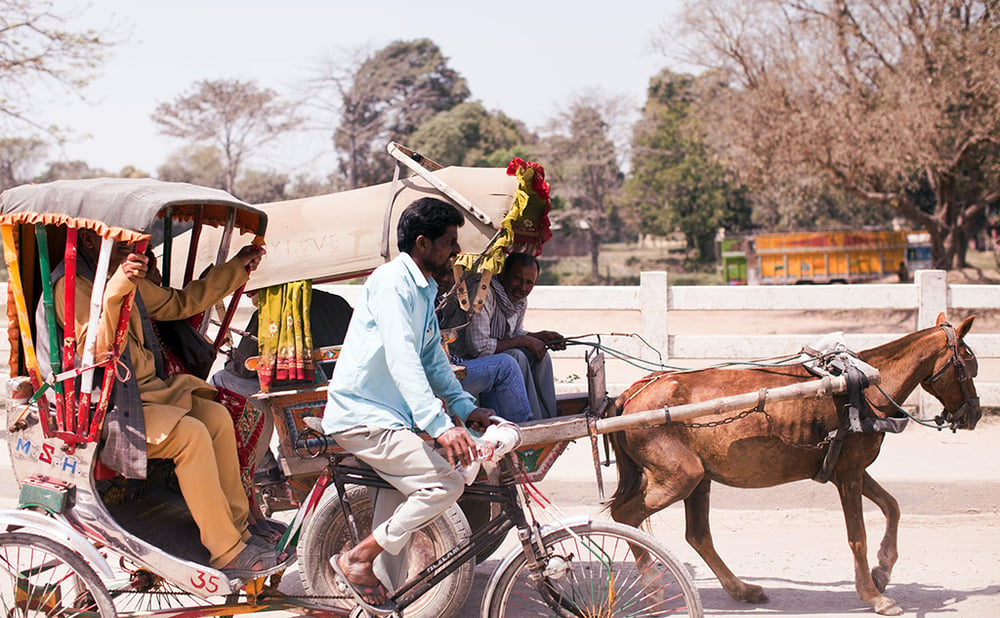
{"points": [[791, 539]]}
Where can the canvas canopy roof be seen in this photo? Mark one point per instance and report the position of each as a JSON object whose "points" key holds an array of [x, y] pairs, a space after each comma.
{"points": [[349, 234], [124, 208]]}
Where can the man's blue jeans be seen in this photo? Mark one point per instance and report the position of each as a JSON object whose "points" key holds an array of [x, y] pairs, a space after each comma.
{"points": [[497, 381]]}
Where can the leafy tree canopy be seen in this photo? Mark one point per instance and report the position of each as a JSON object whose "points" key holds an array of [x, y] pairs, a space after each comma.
{"points": [[391, 93], [468, 135]]}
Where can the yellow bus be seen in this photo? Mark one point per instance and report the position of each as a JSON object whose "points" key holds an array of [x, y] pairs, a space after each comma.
{"points": [[845, 256]]}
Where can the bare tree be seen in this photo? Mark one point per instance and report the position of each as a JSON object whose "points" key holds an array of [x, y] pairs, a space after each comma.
{"points": [[343, 109], [36, 49], [583, 163], [896, 102], [18, 157], [236, 116]]}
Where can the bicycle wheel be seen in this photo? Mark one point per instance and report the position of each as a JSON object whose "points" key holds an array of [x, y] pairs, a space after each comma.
{"points": [[40, 577], [140, 592], [326, 534], [596, 569]]}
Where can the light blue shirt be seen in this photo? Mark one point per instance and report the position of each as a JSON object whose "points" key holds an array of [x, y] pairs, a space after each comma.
{"points": [[392, 368]]}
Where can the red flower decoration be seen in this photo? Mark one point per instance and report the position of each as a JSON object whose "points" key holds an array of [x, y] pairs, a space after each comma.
{"points": [[541, 231]]}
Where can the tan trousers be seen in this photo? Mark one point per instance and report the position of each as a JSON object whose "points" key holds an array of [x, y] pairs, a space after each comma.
{"points": [[203, 447], [425, 478]]}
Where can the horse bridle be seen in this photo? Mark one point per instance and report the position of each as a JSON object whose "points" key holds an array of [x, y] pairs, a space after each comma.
{"points": [[965, 370]]}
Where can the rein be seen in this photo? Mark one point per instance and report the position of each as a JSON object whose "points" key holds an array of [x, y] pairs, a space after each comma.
{"points": [[646, 365]]}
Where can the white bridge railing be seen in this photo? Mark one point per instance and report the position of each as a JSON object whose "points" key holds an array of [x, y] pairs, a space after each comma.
{"points": [[654, 311]]}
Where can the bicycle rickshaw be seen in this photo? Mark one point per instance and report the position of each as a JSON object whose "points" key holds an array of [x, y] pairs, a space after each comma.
{"points": [[83, 544]]}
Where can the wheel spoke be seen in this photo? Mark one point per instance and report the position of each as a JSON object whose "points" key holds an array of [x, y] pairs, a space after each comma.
{"points": [[40, 577], [598, 570]]}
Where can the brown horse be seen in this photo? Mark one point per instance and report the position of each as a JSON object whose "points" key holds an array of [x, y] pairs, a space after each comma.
{"points": [[659, 466]]}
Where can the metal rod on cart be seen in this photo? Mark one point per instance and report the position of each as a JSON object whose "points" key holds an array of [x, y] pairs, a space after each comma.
{"points": [[17, 291], [49, 306], [121, 340], [437, 183], [574, 427]]}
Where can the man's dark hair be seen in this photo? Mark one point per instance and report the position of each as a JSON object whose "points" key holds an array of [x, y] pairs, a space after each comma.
{"points": [[428, 217], [520, 259]]}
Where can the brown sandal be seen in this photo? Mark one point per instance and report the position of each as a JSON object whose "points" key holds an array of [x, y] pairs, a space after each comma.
{"points": [[252, 560]]}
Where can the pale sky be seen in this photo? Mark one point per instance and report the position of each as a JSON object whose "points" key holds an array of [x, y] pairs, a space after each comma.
{"points": [[524, 58]]}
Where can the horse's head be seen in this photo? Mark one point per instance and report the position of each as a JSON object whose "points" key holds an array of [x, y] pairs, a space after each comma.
{"points": [[950, 380]]}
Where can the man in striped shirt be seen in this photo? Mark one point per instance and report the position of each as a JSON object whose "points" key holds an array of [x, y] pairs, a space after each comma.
{"points": [[499, 328]]}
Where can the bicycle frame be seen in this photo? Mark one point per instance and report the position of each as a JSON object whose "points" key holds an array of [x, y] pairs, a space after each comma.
{"points": [[494, 531]]}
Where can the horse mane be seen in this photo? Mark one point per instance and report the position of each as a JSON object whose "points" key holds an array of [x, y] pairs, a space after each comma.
{"points": [[891, 348]]}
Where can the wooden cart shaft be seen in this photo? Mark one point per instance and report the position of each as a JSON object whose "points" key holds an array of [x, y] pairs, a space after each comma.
{"points": [[576, 426]]}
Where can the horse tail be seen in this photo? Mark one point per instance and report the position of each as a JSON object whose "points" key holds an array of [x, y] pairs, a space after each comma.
{"points": [[630, 477]]}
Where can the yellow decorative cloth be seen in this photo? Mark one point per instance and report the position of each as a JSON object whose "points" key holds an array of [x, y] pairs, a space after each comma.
{"points": [[284, 334]]}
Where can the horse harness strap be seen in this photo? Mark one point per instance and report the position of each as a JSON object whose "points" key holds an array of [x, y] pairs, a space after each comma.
{"points": [[965, 371], [855, 417]]}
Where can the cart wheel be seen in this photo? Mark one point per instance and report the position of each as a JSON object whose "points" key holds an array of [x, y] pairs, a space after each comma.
{"points": [[326, 534], [40, 577], [596, 569]]}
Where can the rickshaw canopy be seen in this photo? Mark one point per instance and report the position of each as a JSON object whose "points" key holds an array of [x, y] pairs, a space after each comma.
{"points": [[123, 208], [348, 234]]}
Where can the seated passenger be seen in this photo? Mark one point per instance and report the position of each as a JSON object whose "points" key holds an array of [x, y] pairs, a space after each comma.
{"points": [[179, 421], [495, 378], [499, 328]]}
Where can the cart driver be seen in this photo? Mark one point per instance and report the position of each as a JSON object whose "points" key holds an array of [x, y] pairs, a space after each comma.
{"points": [[386, 386], [179, 420]]}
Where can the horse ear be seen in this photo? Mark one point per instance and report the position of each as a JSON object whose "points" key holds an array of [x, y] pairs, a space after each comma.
{"points": [[940, 319], [965, 326]]}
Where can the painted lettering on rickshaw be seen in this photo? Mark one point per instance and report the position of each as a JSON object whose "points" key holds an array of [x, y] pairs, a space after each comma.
{"points": [[204, 581], [46, 453]]}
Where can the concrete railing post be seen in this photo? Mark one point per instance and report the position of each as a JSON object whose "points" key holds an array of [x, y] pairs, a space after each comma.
{"points": [[932, 299], [653, 301], [932, 296]]}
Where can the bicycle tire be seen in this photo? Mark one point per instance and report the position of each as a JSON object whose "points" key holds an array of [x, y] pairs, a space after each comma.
{"points": [[41, 577], [326, 534], [592, 571]]}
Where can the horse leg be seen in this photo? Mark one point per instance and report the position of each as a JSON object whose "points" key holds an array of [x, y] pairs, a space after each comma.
{"points": [[888, 551], [699, 535], [850, 501]]}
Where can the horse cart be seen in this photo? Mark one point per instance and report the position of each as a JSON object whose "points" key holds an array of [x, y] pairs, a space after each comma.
{"points": [[86, 541]]}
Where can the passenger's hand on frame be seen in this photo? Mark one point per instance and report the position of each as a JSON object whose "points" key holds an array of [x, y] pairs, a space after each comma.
{"points": [[250, 256], [135, 266]]}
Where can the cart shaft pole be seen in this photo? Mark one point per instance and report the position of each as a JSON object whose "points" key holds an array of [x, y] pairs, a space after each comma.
{"points": [[574, 427]]}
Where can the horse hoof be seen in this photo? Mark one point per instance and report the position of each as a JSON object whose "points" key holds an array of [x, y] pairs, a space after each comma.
{"points": [[752, 594], [880, 577], [887, 607]]}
